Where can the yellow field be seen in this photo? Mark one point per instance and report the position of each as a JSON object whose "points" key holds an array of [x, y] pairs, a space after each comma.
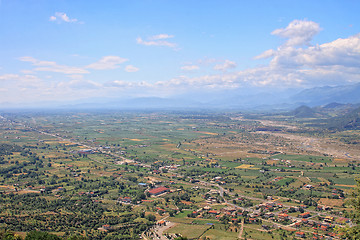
{"points": [[7, 186], [343, 185], [245, 166], [209, 133], [340, 160], [331, 202], [169, 146], [271, 162]]}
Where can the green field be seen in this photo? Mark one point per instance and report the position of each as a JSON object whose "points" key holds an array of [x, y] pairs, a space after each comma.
{"points": [[50, 182]]}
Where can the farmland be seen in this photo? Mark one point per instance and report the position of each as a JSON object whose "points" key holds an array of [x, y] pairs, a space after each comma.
{"points": [[223, 176]]}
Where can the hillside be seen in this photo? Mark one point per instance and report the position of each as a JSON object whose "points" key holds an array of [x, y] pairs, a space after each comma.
{"points": [[349, 121], [304, 112]]}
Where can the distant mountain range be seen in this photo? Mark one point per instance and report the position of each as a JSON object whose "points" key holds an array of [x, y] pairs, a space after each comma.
{"points": [[325, 95], [245, 99]]}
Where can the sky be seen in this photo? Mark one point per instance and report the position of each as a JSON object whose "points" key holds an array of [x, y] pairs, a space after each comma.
{"points": [[65, 50]]}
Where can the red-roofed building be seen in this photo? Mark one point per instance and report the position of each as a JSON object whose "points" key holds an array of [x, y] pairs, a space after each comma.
{"points": [[213, 212], [283, 216], [124, 199], [300, 234], [158, 191], [324, 228], [106, 226], [304, 215], [252, 220]]}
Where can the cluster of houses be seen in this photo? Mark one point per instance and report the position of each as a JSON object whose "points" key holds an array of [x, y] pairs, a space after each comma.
{"points": [[170, 167], [86, 151], [158, 191], [211, 197], [208, 211]]}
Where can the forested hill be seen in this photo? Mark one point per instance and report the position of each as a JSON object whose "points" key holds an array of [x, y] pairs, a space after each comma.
{"points": [[304, 112], [349, 121]]}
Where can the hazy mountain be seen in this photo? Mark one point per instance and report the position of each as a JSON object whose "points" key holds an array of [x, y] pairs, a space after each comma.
{"points": [[244, 99], [251, 99], [138, 103], [304, 112], [327, 94]]}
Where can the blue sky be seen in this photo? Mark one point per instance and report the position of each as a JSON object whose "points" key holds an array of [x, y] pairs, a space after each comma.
{"points": [[69, 50]]}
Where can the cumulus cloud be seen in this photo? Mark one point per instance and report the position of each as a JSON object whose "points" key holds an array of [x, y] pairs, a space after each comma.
{"points": [[157, 40], [190, 68], [107, 62], [343, 52], [62, 17], [297, 62], [225, 66], [332, 63], [131, 68], [298, 32]]}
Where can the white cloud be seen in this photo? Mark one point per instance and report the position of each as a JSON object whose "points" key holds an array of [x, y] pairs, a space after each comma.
{"points": [[9, 77], [127, 84], [190, 68], [107, 62], [16, 81], [225, 66], [219, 81], [298, 32], [157, 40], [267, 54], [335, 62], [49, 66], [131, 68], [79, 84], [161, 36], [296, 63], [63, 17], [342, 52]]}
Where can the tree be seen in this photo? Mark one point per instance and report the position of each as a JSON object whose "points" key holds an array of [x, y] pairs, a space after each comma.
{"points": [[354, 231], [76, 238], [36, 235], [8, 235]]}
